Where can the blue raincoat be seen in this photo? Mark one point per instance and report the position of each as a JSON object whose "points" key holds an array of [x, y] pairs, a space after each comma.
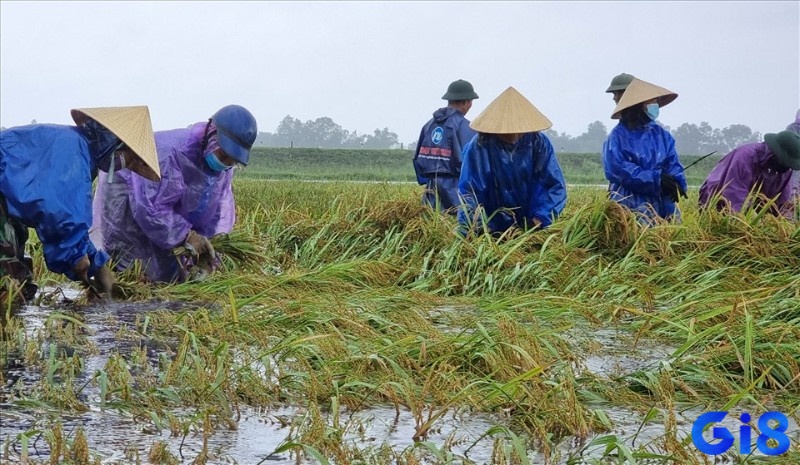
{"points": [[437, 161], [514, 185], [633, 160], [137, 218], [46, 174]]}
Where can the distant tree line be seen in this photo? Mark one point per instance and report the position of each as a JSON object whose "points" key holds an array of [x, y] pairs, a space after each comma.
{"points": [[690, 139], [324, 133]]}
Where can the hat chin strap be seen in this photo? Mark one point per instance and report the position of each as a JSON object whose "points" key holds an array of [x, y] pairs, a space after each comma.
{"points": [[113, 164]]}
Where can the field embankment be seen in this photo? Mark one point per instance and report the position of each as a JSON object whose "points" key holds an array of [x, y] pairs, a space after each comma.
{"points": [[396, 165]]}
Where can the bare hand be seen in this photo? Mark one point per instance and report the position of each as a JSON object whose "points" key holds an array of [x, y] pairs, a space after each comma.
{"points": [[81, 269], [104, 279]]}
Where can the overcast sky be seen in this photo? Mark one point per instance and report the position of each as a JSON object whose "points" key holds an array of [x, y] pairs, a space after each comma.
{"points": [[371, 65]]}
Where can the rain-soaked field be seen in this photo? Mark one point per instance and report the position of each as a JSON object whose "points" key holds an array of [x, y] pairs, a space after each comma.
{"points": [[349, 326]]}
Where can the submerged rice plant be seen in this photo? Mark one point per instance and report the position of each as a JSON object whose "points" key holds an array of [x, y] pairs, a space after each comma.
{"points": [[337, 298]]}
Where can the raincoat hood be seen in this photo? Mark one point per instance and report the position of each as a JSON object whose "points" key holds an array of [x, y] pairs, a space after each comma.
{"points": [[102, 142], [441, 115]]}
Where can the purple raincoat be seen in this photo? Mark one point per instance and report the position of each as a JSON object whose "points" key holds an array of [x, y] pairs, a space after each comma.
{"points": [[741, 170], [141, 219], [796, 176]]}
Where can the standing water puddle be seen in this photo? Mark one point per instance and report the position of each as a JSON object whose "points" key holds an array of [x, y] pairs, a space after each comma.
{"points": [[118, 438], [611, 353]]}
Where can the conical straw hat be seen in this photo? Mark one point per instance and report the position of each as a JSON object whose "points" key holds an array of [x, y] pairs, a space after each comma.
{"points": [[639, 91], [132, 125], [510, 113]]}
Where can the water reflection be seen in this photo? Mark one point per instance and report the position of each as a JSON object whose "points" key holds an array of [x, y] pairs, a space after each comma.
{"points": [[118, 437]]}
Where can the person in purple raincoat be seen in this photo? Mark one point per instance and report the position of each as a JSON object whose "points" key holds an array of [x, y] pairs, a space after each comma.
{"points": [[755, 173], [639, 157], [437, 160], [144, 220], [795, 127]]}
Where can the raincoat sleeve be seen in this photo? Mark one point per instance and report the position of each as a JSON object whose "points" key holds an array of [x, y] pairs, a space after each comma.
{"points": [[549, 195], [472, 185], [463, 136], [421, 180], [154, 205], [623, 171], [222, 222], [65, 239], [674, 168]]}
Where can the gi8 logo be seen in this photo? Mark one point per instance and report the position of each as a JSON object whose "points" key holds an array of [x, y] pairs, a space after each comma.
{"points": [[745, 434], [437, 135]]}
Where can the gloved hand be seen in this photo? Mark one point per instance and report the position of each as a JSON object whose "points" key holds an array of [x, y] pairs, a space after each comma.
{"points": [[199, 246], [81, 268], [670, 187], [104, 279]]}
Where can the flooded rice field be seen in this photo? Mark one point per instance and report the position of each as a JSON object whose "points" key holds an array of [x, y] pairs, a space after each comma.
{"points": [[266, 435]]}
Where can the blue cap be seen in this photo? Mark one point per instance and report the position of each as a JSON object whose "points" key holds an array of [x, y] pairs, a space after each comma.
{"points": [[236, 130]]}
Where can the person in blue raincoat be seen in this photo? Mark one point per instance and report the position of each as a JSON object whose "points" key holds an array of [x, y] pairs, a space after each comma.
{"points": [[437, 160], [155, 222], [510, 177], [639, 157], [46, 174]]}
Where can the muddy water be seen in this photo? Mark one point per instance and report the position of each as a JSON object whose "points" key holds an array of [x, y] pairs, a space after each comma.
{"points": [[118, 438], [609, 353]]}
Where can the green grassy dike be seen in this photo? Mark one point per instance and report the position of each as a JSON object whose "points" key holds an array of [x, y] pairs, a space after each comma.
{"points": [[396, 165]]}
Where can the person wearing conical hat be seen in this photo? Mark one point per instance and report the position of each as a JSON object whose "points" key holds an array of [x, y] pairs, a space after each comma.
{"points": [[639, 157], [755, 173], [46, 174], [137, 219], [510, 176], [618, 85], [437, 160]]}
